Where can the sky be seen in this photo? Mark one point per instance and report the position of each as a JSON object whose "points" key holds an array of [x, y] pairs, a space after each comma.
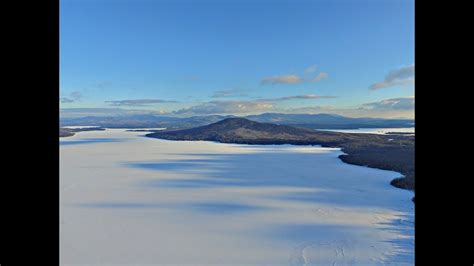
{"points": [[185, 57]]}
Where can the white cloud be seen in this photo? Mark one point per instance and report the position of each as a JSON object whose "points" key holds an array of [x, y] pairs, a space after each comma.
{"points": [[310, 69], [404, 103], [103, 84], [309, 76], [285, 79], [66, 100], [320, 76], [398, 77], [192, 78], [229, 93], [137, 102], [74, 96], [299, 97]]}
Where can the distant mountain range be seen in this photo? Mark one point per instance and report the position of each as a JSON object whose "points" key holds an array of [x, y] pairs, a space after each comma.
{"points": [[313, 121], [329, 121]]}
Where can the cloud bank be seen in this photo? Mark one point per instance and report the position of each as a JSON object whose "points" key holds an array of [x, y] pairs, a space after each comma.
{"points": [[402, 107], [241, 107], [137, 102], [227, 107]]}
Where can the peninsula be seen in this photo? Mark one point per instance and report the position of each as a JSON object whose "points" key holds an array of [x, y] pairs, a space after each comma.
{"points": [[388, 152]]}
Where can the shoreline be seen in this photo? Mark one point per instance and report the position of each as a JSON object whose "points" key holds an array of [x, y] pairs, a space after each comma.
{"points": [[69, 132], [404, 181]]}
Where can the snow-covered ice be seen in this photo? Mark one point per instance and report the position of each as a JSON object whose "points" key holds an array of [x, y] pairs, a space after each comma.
{"points": [[130, 200]]}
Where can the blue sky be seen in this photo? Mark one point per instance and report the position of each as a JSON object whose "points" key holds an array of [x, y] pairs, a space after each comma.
{"points": [[188, 57]]}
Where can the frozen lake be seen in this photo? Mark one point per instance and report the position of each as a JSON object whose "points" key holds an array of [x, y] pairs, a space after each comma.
{"points": [[130, 200]]}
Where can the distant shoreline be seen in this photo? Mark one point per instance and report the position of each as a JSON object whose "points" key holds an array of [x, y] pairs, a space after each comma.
{"points": [[69, 132]]}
